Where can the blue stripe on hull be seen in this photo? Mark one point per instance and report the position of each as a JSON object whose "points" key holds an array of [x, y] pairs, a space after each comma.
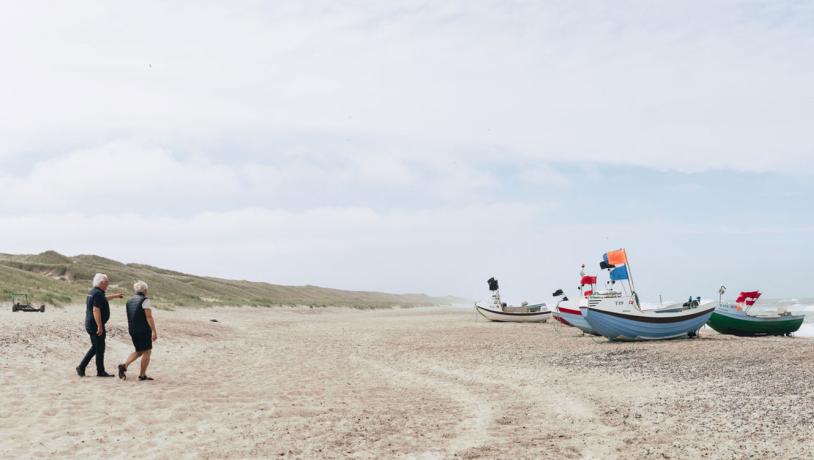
{"points": [[577, 321], [616, 328]]}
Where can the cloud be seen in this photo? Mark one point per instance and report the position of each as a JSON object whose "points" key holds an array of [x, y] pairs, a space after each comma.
{"points": [[403, 144], [690, 86], [352, 247]]}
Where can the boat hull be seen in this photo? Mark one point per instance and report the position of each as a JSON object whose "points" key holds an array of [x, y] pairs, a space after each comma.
{"points": [[646, 325], [514, 317], [744, 325], [556, 315], [575, 318]]}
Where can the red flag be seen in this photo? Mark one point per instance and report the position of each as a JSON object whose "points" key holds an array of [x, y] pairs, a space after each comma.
{"points": [[748, 297], [588, 280]]}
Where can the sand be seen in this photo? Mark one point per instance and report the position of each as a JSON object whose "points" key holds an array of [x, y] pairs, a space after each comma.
{"points": [[402, 383]]}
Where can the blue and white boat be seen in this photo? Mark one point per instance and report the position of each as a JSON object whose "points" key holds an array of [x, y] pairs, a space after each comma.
{"points": [[618, 315]]}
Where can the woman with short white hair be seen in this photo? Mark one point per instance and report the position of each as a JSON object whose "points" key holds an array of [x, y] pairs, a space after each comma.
{"points": [[141, 326]]}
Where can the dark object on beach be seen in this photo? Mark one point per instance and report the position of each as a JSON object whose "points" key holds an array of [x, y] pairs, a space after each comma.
{"points": [[557, 293], [606, 266], [214, 320], [492, 284], [19, 302]]}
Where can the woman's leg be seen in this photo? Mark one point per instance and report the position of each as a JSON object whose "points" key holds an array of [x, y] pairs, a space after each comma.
{"points": [[145, 361], [133, 356]]}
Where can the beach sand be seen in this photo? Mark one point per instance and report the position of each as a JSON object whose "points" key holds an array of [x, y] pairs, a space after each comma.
{"points": [[400, 383]]}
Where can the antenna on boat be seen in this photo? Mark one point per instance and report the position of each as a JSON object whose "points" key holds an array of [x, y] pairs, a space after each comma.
{"points": [[721, 292]]}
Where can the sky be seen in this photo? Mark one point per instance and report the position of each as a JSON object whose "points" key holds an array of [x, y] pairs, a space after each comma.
{"points": [[411, 146]]}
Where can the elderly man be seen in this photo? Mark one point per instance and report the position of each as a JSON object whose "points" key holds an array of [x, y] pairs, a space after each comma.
{"points": [[142, 330], [97, 312]]}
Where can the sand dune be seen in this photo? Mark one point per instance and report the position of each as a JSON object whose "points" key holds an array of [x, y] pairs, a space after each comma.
{"points": [[421, 383]]}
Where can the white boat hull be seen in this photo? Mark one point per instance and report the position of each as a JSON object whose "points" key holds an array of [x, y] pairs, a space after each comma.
{"points": [[514, 317]]}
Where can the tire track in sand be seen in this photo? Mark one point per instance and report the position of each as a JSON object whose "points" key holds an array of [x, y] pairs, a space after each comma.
{"points": [[474, 430]]}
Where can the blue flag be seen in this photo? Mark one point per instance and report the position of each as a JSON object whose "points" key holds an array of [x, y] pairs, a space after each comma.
{"points": [[619, 273]]}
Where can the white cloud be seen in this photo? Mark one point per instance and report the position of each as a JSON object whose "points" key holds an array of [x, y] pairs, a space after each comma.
{"points": [[369, 145], [690, 85], [350, 247]]}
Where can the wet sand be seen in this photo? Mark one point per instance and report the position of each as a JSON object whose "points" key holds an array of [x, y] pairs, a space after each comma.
{"points": [[402, 383]]}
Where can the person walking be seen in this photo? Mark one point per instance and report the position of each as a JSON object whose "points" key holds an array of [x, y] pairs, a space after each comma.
{"points": [[97, 312], [141, 325]]}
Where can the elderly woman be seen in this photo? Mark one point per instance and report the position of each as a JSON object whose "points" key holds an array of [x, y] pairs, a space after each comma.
{"points": [[97, 312], [142, 330]]}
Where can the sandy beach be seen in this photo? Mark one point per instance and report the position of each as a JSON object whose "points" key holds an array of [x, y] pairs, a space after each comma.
{"points": [[400, 383]]}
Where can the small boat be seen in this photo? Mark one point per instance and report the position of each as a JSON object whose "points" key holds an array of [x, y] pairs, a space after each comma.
{"points": [[618, 315], [500, 312], [514, 317], [560, 318], [569, 313], [739, 319]]}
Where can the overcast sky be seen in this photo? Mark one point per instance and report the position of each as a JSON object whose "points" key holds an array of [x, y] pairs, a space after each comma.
{"points": [[416, 146]]}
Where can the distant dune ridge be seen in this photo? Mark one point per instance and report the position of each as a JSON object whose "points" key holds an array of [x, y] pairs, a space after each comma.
{"points": [[55, 279]]}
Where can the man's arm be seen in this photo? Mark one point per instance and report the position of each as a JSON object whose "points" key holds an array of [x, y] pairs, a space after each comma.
{"points": [[97, 315], [148, 312], [115, 296]]}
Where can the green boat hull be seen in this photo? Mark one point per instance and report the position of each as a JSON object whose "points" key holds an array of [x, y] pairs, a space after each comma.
{"points": [[726, 324]]}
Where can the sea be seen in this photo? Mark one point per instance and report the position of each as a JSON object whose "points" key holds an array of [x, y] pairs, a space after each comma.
{"points": [[797, 306]]}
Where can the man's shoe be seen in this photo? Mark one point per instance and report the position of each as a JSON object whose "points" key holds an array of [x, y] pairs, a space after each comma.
{"points": [[105, 375], [80, 372]]}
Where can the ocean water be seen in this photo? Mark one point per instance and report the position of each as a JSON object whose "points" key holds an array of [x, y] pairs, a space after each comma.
{"points": [[797, 306]]}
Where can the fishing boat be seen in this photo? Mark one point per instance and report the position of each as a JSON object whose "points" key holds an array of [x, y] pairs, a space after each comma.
{"points": [[569, 313], [560, 319], [500, 312], [617, 314], [740, 319]]}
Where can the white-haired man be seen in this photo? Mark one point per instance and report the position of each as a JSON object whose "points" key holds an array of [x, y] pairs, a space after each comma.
{"points": [[97, 312], [141, 325]]}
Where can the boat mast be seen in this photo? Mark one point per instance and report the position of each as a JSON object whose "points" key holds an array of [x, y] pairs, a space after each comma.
{"points": [[630, 275]]}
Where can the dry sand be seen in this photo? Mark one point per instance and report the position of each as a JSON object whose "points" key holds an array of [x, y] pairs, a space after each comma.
{"points": [[422, 383]]}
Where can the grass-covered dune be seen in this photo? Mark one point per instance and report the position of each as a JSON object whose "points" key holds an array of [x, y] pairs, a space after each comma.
{"points": [[54, 279]]}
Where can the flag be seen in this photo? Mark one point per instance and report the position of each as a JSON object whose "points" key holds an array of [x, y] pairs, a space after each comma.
{"points": [[588, 280], [619, 273], [749, 298], [617, 257], [604, 265]]}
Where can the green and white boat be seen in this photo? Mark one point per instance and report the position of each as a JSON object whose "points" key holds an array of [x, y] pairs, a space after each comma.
{"points": [[740, 319]]}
